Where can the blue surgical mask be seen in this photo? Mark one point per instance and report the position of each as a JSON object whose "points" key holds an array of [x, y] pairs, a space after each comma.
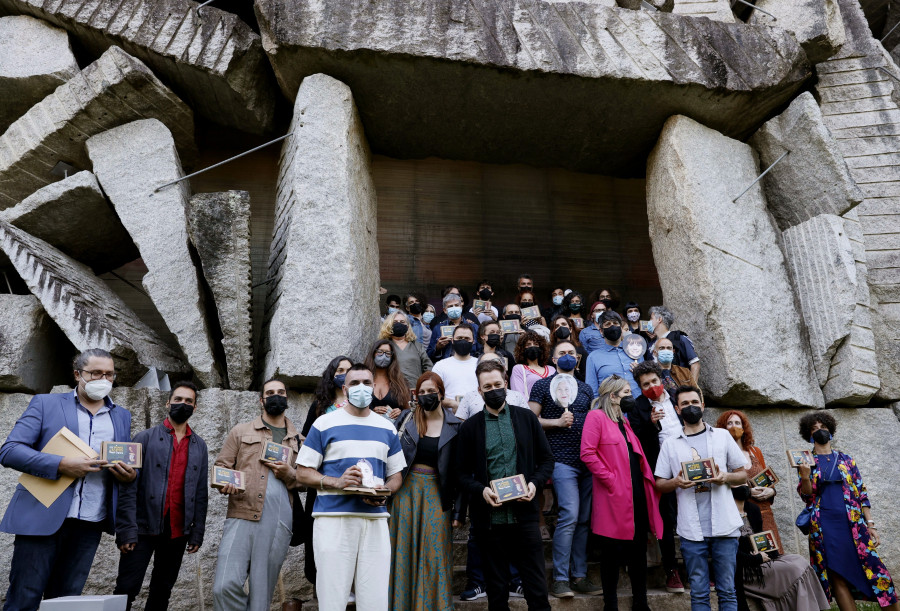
{"points": [[360, 396], [428, 317], [557, 300], [454, 312], [566, 362], [665, 356], [392, 311], [339, 380], [650, 326]]}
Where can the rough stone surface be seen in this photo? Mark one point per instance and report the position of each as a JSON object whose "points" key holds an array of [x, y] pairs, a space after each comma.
{"points": [[813, 179], [113, 90], [33, 351], [74, 216], [719, 10], [821, 261], [158, 225], [868, 435], [220, 231], [324, 249], [450, 78], [212, 58], [816, 23], [702, 240], [11, 407], [35, 59], [859, 99], [88, 312], [636, 5]]}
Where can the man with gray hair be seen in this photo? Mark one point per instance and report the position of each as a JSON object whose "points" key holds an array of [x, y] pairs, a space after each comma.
{"points": [[684, 355], [55, 546], [440, 346]]}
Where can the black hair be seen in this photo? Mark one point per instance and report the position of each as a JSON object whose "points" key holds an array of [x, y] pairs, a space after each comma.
{"points": [[325, 390], [446, 290], [568, 299], [632, 304], [610, 315], [262, 388], [359, 367], [183, 384], [686, 388], [83, 357], [392, 297], [465, 325], [523, 277], [809, 420], [646, 368]]}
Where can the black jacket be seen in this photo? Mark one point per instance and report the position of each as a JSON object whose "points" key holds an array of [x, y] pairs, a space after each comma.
{"points": [[646, 430], [409, 440], [534, 460], [141, 505]]}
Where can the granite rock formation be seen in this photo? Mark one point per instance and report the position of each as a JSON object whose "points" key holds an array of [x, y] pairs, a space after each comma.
{"points": [[816, 23], [33, 352]]}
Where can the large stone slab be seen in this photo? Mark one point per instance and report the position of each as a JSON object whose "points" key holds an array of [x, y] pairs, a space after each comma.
{"points": [[35, 59], [814, 178], [816, 23], [88, 312], [34, 354], [130, 162], [324, 249], [719, 10], [859, 92], [113, 90], [74, 216], [210, 57], [220, 231], [821, 261], [572, 84], [721, 270]]}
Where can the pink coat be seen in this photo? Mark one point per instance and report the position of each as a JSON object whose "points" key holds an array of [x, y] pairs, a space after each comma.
{"points": [[604, 452]]}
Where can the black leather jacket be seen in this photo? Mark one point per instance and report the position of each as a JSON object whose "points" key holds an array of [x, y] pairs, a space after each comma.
{"points": [[409, 440]]}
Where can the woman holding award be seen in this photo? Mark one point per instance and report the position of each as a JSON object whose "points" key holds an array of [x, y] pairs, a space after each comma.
{"points": [[610, 450], [422, 509], [842, 537], [736, 423]]}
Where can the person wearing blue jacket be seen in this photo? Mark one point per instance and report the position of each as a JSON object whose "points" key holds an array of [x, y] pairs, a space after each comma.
{"points": [[54, 546], [164, 512]]}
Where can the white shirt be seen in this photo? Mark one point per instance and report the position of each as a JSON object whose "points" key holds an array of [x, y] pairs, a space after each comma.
{"points": [[472, 403], [458, 375], [726, 520], [671, 425]]}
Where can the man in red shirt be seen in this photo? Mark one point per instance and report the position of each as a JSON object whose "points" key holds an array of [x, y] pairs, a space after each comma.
{"points": [[163, 512]]}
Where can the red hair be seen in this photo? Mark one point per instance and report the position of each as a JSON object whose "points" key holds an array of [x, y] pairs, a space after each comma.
{"points": [[419, 414], [747, 438]]}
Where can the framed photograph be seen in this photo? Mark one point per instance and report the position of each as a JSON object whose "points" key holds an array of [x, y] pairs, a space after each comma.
{"points": [[447, 330], [795, 457], [221, 476], [530, 313], [697, 471], [480, 303], [275, 452], [510, 326], [578, 322], [764, 542], [128, 453], [510, 488], [765, 478]]}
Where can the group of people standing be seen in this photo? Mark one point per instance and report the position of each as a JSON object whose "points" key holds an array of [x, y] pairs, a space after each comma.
{"points": [[398, 450]]}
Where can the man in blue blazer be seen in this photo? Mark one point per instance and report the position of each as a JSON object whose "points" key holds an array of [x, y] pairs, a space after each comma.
{"points": [[54, 546]]}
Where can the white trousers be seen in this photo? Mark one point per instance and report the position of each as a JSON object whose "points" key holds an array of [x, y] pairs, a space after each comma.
{"points": [[346, 546]]}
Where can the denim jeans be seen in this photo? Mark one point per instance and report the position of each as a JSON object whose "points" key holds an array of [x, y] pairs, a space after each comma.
{"points": [[573, 491], [51, 566], [722, 551]]}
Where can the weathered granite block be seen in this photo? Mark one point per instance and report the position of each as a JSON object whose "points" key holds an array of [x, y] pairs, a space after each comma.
{"points": [[572, 84], [721, 270], [74, 216], [814, 178], [324, 249], [210, 57], [113, 90], [34, 354], [35, 59], [88, 312], [719, 10], [220, 230], [816, 23], [158, 225]]}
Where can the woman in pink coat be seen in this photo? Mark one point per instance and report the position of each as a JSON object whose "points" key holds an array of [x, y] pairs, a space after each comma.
{"points": [[625, 502]]}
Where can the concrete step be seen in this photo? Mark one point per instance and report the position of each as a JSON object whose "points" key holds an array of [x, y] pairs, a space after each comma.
{"points": [[656, 576]]}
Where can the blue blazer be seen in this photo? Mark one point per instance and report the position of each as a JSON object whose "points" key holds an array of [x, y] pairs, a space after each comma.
{"points": [[44, 417]]}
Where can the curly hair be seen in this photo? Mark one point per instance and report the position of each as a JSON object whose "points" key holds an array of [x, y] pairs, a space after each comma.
{"points": [[646, 368], [808, 421], [531, 336], [747, 438], [387, 327]]}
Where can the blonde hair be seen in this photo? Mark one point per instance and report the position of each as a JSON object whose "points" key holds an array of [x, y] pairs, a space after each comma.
{"points": [[612, 384], [387, 328]]}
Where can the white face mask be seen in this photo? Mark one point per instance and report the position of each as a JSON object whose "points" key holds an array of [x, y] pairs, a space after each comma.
{"points": [[634, 316], [97, 389]]}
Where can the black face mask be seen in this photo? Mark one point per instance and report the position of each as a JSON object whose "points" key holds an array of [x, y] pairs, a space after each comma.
{"points": [[429, 402], [821, 437], [691, 414], [512, 317], [485, 293], [613, 333], [740, 493], [416, 309], [495, 398], [563, 333], [339, 380], [607, 302], [462, 347], [275, 405], [526, 304], [626, 404], [399, 329], [493, 340], [180, 412], [533, 353]]}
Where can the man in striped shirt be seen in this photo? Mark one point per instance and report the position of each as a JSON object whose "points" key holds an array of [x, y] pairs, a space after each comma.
{"points": [[351, 446]]}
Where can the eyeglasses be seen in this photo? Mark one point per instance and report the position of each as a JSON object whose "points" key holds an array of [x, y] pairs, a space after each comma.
{"points": [[96, 375], [383, 353]]}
